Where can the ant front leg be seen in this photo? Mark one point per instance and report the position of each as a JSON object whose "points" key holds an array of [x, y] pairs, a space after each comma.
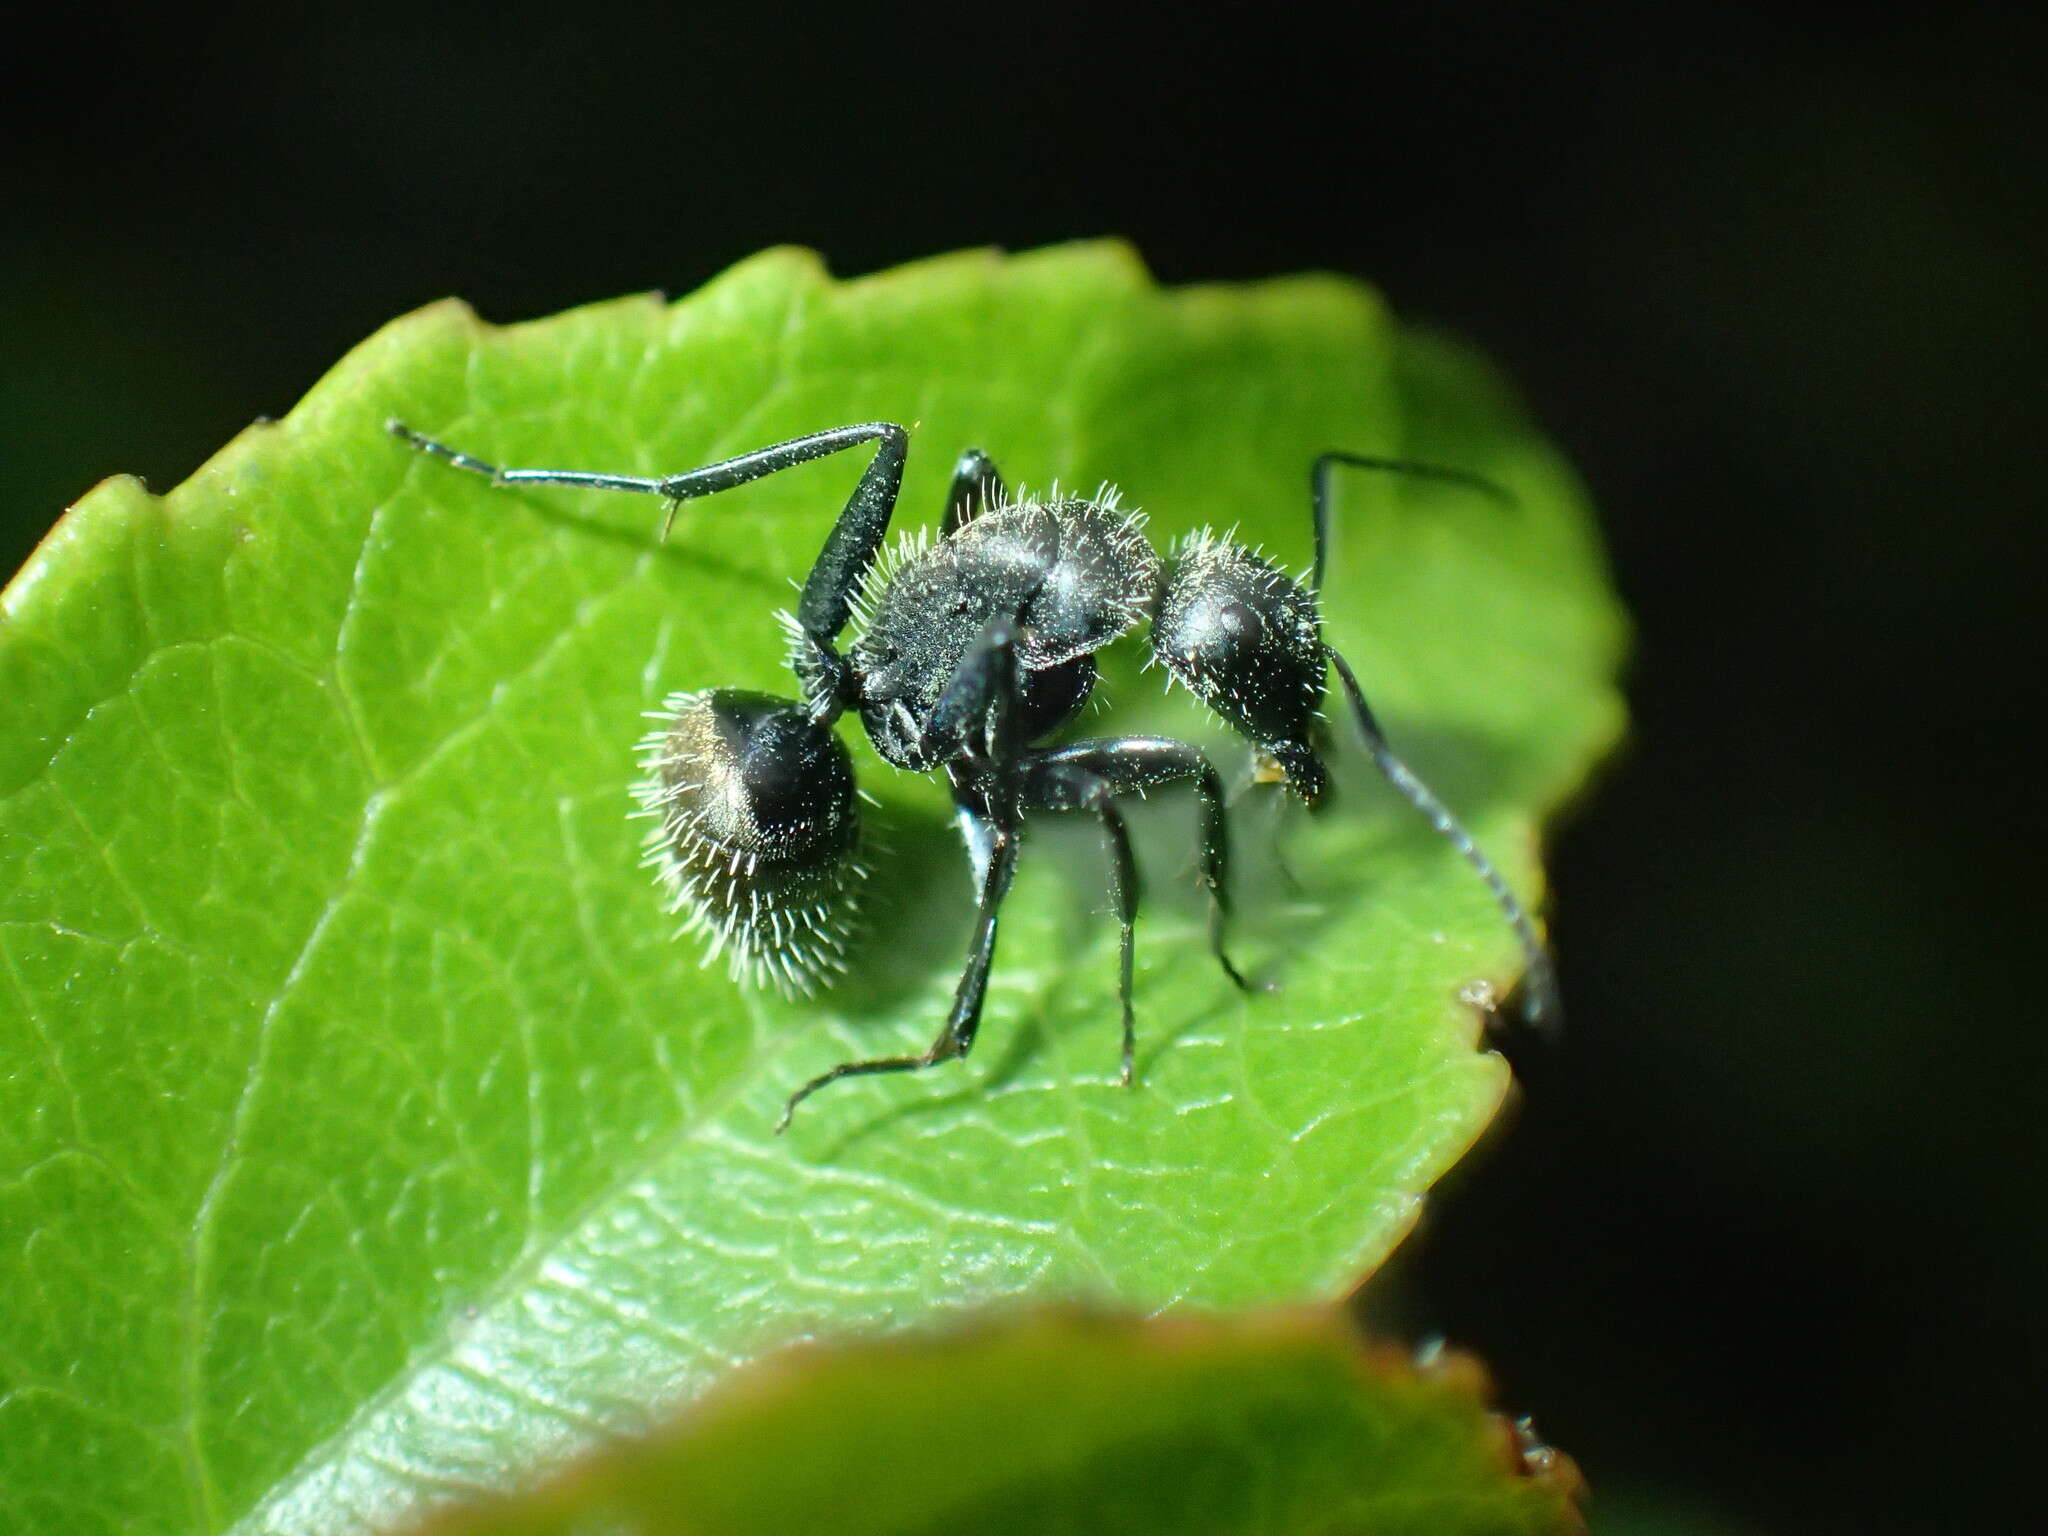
{"points": [[1089, 775], [1134, 765], [827, 598]]}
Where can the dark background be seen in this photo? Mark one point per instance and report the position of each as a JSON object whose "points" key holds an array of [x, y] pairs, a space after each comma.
{"points": [[1763, 1247]]}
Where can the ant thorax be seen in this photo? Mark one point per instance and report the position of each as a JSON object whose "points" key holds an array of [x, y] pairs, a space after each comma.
{"points": [[1074, 573]]}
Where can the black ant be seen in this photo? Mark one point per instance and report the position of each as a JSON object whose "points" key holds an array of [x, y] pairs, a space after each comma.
{"points": [[972, 651]]}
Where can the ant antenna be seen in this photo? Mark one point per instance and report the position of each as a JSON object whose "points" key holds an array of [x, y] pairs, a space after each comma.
{"points": [[1542, 1007], [1319, 490]]}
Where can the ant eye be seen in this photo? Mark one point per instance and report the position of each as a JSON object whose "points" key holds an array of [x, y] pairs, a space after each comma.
{"points": [[756, 827], [1245, 638]]}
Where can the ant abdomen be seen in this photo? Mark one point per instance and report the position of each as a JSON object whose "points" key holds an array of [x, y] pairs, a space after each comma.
{"points": [[756, 826], [1245, 639]]}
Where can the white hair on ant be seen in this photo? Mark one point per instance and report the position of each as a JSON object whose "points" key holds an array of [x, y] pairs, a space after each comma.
{"points": [[754, 847]]}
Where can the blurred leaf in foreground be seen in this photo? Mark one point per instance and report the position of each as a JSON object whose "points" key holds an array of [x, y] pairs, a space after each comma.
{"points": [[1073, 1424], [366, 1136]]}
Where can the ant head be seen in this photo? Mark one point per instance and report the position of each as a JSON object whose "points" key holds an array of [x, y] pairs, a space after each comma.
{"points": [[1245, 638], [1300, 769], [756, 826]]}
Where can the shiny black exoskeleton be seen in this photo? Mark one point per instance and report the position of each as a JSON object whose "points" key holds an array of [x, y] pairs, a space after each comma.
{"points": [[972, 651]]}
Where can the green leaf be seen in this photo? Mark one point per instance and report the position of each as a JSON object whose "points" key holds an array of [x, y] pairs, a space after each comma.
{"points": [[1062, 1423], [366, 1134]]}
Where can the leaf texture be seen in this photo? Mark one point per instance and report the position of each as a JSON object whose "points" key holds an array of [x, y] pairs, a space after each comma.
{"points": [[367, 1136]]}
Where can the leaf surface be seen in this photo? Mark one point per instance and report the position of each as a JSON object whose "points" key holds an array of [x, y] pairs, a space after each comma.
{"points": [[1273, 1425], [367, 1137]]}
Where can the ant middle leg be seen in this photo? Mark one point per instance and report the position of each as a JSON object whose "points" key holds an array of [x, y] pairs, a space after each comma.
{"points": [[976, 487], [981, 702], [1066, 786], [963, 1021]]}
